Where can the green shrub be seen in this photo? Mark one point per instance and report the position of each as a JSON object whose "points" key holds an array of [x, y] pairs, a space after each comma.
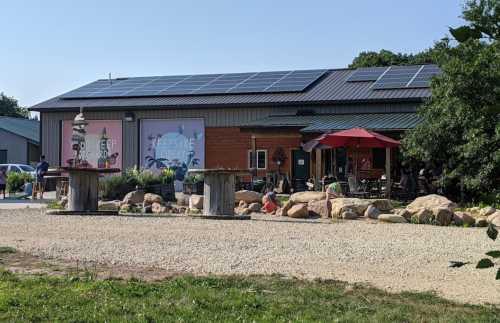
{"points": [[116, 187], [15, 181]]}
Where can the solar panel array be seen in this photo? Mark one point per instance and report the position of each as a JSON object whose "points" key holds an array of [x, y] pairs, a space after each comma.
{"points": [[366, 74], [264, 82], [402, 77]]}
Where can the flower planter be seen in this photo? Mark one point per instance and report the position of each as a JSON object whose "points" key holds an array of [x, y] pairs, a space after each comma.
{"points": [[193, 188]]}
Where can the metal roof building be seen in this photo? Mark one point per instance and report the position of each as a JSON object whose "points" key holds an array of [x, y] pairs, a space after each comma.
{"points": [[19, 140]]}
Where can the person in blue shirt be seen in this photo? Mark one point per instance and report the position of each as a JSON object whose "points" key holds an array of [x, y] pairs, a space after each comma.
{"points": [[41, 170]]}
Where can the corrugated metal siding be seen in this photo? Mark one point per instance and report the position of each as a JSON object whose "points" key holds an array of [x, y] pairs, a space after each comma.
{"points": [[333, 88], [213, 117]]}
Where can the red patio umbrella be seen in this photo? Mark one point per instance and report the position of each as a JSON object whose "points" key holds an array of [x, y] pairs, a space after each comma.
{"points": [[357, 138]]}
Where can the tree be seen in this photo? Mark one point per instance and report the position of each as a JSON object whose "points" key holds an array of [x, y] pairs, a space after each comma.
{"points": [[387, 58], [10, 108], [460, 128]]}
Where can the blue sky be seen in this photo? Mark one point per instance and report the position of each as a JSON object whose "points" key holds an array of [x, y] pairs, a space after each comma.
{"points": [[50, 47]]}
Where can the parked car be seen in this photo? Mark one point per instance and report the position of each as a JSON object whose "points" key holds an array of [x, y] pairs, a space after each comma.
{"points": [[19, 168]]}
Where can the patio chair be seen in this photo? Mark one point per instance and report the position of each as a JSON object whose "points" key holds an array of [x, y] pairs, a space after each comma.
{"points": [[356, 191]]}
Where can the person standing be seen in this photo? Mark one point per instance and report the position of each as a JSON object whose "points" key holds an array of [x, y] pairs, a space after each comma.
{"points": [[3, 180], [41, 170]]}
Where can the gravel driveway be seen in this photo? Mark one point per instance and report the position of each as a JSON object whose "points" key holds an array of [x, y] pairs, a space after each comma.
{"points": [[391, 256]]}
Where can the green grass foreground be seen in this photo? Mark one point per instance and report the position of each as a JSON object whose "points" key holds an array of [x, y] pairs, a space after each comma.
{"points": [[219, 299]]}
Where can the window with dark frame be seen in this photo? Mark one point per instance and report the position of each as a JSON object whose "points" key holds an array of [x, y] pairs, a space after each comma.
{"points": [[3, 156], [261, 159]]}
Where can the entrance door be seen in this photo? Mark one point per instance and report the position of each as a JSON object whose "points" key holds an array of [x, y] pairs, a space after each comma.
{"points": [[300, 169], [3, 156]]}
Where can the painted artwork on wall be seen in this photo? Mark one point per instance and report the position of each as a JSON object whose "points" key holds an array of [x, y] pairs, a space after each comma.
{"points": [[103, 144], [177, 143]]}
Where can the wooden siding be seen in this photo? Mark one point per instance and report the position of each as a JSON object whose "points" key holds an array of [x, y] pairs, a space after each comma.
{"points": [[213, 117]]}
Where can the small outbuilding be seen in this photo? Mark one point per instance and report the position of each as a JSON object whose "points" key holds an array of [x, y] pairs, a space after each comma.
{"points": [[19, 140]]}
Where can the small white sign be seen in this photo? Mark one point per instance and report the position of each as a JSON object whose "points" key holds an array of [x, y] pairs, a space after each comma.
{"points": [[300, 162]]}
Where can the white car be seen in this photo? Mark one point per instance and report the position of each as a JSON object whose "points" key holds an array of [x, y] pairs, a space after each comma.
{"points": [[18, 168]]}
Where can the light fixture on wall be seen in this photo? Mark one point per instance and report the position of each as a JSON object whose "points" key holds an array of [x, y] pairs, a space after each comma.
{"points": [[129, 116]]}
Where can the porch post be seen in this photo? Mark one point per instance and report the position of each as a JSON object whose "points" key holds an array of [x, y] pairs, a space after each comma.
{"points": [[388, 171], [318, 169], [253, 170]]}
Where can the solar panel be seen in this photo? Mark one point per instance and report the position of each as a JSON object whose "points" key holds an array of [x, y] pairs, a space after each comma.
{"points": [[396, 77], [264, 82], [366, 74], [424, 76]]}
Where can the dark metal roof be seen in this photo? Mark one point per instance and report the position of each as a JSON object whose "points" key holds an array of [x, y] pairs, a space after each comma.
{"points": [[29, 129], [332, 88], [326, 123]]}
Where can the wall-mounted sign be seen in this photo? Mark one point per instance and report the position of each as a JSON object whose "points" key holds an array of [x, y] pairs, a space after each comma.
{"points": [[300, 162], [102, 147], [175, 143]]}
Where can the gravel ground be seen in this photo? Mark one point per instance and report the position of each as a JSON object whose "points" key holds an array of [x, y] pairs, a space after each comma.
{"points": [[395, 257]]}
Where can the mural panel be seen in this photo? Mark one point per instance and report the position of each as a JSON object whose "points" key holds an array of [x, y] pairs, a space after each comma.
{"points": [[177, 143], [103, 144]]}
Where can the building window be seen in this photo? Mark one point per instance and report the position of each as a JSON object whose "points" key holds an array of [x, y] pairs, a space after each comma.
{"points": [[3, 156], [378, 158], [261, 159]]}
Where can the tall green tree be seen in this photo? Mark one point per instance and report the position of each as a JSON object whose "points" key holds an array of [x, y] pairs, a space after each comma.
{"points": [[10, 108], [386, 58], [460, 128]]}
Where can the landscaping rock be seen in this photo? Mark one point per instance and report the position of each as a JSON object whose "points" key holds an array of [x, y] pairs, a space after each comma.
{"points": [[404, 213], [147, 208], [372, 212], [473, 210], [442, 216], [150, 198], [496, 221], [157, 208], [247, 196], [298, 211], [463, 218], [109, 205], [196, 201], [492, 216], [319, 208], [242, 211], [485, 211], [125, 208], [356, 205], [63, 202], [254, 207], [430, 202], [243, 204], [286, 206], [349, 214], [481, 221], [182, 199], [422, 216], [391, 218], [382, 204], [134, 197], [306, 197]]}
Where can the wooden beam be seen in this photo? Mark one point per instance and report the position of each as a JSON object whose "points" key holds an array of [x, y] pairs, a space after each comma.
{"points": [[318, 170], [388, 171]]}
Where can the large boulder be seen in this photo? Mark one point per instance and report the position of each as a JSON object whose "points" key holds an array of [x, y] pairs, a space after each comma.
{"points": [[134, 197], [247, 196], [348, 214], [286, 206], [150, 198], [319, 208], [485, 211], [492, 216], [382, 204], [298, 211], [422, 216], [463, 218], [306, 197], [404, 213], [196, 202], [442, 216], [481, 221], [109, 205], [430, 202], [496, 221], [182, 199], [391, 218], [358, 206], [372, 212], [157, 208], [255, 207]]}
